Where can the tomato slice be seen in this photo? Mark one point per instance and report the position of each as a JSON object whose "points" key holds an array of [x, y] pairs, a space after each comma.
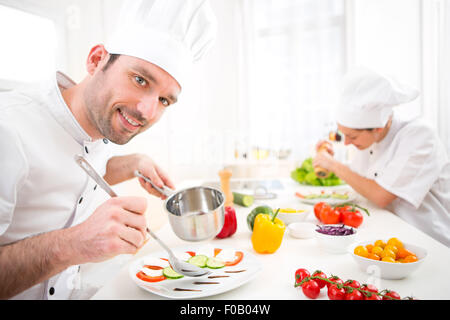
{"points": [[147, 278], [153, 267], [216, 251], [191, 253], [238, 258]]}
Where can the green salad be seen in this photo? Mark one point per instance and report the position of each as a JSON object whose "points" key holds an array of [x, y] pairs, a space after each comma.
{"points": [[306, 175]]}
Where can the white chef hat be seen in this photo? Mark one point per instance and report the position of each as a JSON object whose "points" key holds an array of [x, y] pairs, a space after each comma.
{"points": [[367, 99], [171, 34]]}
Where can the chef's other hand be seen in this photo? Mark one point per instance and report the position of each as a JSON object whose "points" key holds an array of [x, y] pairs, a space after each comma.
{"points": [[323, 160], [148, 168], [118, 226], [326, 144]]}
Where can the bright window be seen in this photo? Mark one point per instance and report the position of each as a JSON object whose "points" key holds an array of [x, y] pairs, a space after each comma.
{"points": [[295, 51], [28, 46]]}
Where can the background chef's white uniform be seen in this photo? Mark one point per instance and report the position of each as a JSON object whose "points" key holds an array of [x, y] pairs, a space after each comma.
{"points": [[412, 163], [42, 188]]}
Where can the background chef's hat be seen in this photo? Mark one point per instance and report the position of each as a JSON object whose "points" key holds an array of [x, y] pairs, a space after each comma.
{"points": [[367, 99], [171, 34]]}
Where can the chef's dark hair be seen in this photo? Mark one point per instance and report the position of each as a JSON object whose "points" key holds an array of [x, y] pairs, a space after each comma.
{"points": [[112, 57]]}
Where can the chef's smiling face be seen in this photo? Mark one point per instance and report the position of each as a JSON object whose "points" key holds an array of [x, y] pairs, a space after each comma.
{"points": [[127, 96], [360, 138]]}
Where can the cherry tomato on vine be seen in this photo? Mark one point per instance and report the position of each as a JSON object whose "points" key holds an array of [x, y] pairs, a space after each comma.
{"points": [[334, 293], [394, 295], [352, 283], [311, 289], [301, 274], [354, 295], [321, 283], [318, 208], [334, 279]]}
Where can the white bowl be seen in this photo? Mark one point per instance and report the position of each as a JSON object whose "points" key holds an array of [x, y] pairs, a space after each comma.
{"points": [[302, 230], [294, 216], [336, 244], [389, 270]]}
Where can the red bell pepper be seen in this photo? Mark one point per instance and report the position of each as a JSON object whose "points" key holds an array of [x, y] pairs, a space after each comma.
{"points": [[229, 225]]}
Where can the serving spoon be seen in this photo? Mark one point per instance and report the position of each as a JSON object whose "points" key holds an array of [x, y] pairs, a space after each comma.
{"points": [[182, 267]]}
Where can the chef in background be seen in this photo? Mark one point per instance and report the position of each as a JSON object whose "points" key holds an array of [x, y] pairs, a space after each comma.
{"points": [[53, 217], [398, 165]]}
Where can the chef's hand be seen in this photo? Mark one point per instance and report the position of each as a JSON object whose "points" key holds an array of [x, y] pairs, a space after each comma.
{"points": [[148, 168], [118, 226], [327, 145], [324, 160]]}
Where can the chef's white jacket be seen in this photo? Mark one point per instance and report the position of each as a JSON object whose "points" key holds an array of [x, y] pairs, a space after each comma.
{"points": [[411, 162], [41, 187]]}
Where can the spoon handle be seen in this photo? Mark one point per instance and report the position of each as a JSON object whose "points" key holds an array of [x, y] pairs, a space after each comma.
{"points": [[86, 166]]}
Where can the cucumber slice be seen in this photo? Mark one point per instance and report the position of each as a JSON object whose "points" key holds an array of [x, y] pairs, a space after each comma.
{"points": [[244, 200], [199, 260], [215, 263], [168, 272]]}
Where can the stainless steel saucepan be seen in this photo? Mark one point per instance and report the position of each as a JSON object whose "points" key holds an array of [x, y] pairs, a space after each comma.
{"points": [[195, 214]]}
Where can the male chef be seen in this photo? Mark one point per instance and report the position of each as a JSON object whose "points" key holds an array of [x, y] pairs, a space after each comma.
{"points": [[51, 219]]}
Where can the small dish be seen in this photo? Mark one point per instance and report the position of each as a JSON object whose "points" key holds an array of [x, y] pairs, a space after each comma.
{"points": [[302, 230], [301, 213], [337, 244]]}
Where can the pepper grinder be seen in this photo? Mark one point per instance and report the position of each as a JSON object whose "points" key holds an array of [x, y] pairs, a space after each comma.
{"points": [[225, 176], [322, 172]]}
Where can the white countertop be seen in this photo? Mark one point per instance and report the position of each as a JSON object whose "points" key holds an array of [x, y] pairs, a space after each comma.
{"points": [[276, 280]]}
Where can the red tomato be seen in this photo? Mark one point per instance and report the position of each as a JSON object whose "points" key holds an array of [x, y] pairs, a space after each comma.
{"points": [[394, 295], [147, 278], [372, 296], [301, 274], [354, 295], [352, 283], [352, 218], [321, 283], [334, 279], [238, 258], [334, 293], [329, 215], [318, 208], [369, 287], [311, 289]]}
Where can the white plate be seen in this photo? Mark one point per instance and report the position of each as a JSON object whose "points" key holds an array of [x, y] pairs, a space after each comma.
{"points": [[331, 201], [165, 288]]}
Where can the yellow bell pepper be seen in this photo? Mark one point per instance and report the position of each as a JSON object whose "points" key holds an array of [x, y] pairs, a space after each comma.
{"points": [[267, 233]]}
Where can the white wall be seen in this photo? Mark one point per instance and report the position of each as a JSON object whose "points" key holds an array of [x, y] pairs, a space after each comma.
{"points": [[385, 35]]}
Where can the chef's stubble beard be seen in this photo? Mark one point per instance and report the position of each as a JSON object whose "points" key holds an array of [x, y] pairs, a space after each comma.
{"points": [[101, 117]]}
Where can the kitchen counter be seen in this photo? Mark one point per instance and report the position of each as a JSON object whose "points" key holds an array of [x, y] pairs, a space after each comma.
{"points": [[276, 280]]}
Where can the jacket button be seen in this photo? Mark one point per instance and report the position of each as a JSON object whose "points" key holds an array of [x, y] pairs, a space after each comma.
{"points": [[81, 199], [86, 149], [51, 291], [95, 187], [371, 152], [376, 174], [105, 141]]}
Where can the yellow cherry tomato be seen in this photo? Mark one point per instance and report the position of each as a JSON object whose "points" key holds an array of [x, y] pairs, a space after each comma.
{"points": [[361, 251], [373, 256], [392, 248], [395, 242], [388, 253], [380, 243], [388, 259], [411, 258], [369, 247], [377, 250]]}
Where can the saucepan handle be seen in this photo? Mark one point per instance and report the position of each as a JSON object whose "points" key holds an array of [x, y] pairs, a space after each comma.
{"points": [[165, 191]]}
